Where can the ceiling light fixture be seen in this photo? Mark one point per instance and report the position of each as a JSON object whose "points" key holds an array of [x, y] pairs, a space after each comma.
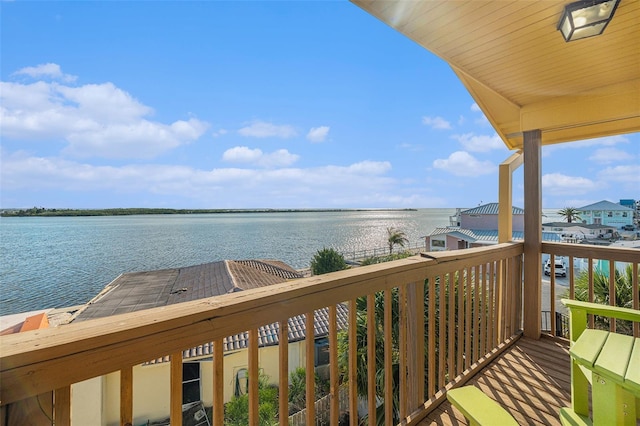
{"points": [[586, 18]]}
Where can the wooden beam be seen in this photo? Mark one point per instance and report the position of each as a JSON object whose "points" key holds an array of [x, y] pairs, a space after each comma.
{"points": [[176, 389], [310, 373], [532, 233], [334, 384], [218, 382], [505, 196], [371, 357], [283, 372], [254, 418], [353, 360], [126, 396], [62, 406]]}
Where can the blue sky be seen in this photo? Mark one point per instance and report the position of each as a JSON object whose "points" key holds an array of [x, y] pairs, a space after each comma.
{"points": [[254, 105]]}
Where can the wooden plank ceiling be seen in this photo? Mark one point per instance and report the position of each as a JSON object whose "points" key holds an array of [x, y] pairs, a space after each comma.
{"points": [[520, 70]]}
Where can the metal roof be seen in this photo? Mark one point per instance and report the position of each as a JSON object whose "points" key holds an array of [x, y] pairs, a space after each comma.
{"points": [[521, 72], [483, 236], [605, 205], [491, 208]]}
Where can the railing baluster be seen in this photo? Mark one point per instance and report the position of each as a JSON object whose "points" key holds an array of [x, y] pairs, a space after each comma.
{"points": [[552, 294], [467, 323], [334, 385], [476, 318], [126, 396], [442, 330], [432, 333], [218, 382], [62, 406], [459, 322], [612, 292], [419, 338], [572, 288], [590, 263], [636, 296], [402, 312], [283, 371], [492, 307], [353, 353], [254, 418], [388, 354], [176, 389], [371, 358], [484, 310], [451, 359], [310, 369]]}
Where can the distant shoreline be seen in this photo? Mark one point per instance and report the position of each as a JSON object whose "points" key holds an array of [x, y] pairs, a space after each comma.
{"points": [[42, 212]]}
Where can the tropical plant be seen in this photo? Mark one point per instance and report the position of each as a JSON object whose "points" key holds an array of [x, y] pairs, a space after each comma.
{"points": [[379, 344], [327, 260], [395, 237], [236, 411], [623, 281], [570, 214]]}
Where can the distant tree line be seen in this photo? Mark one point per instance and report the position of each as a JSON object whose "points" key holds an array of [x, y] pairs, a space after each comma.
{"points": [[41, 211]]}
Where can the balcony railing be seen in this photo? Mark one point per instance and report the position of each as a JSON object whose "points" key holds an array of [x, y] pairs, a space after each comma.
{"points": [[438, 319]]}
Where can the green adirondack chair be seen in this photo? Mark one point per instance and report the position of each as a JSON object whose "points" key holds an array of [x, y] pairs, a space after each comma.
{"points": [[608, 362]]}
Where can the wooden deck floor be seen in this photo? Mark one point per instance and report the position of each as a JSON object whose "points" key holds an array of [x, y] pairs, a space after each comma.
{"points": [[531, 380]]}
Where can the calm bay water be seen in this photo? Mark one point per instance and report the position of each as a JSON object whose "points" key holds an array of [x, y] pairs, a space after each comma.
{"points": [[65, 261]]}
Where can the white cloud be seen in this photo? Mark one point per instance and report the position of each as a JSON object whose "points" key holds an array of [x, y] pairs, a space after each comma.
{"points": [[46, 70], [243, 154], [370, 167], [436, 123], [629, 175], [262, 129], [560, 184], [461, 163], [482, 120], [226, 187], [605, 141], [479, 143], [610, 155], [318, 134], [96, 120], [219, 133]]}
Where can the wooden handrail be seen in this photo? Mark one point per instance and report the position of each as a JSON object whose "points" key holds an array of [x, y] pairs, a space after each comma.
{"points": [[43, 360]]}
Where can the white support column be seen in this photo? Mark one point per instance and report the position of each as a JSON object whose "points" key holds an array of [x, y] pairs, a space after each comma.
{"points": [[532, 298], [505, 195]]}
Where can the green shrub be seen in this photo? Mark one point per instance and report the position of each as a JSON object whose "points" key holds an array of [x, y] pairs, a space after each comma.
{"points": [[327, 260]]}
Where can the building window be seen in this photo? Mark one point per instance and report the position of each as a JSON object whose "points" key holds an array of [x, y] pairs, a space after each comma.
{"points": [[437, 243], [624, 214], [609, 214], [190, 382], [241, 386], [322, 352]]}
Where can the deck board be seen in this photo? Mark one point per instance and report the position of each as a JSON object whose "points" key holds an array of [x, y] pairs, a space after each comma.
{"points": [[531, 380]]}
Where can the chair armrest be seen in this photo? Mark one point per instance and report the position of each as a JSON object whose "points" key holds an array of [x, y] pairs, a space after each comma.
{"points": [[603, 310]]}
